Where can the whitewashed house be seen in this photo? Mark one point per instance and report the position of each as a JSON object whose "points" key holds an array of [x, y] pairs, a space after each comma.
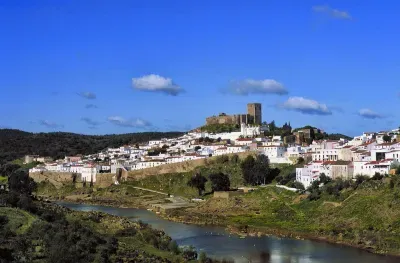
{"points": [[89, 173], [243, 141], [272, 151], [235, 149], [221, 151], [309, 173]]}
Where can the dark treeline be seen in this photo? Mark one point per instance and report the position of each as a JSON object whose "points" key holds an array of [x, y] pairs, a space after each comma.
{"points": [[15, 143]]}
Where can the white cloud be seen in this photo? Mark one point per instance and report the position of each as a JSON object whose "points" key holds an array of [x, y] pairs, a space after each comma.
{"points": [[156, 83], [50, 124], [90, 121], [87, 95], [91, 106], [335, 13], [252, 86], [134, 123], [369, 114], [306, 106]]}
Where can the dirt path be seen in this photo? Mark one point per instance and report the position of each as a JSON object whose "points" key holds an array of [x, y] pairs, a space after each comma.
{"points": [[149, 190]]}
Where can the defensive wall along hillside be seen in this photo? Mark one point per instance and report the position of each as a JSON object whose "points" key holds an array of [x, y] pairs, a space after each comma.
{"points": [[58, 179], [177, 167]]}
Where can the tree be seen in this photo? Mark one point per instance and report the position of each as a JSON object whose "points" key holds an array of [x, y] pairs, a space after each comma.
{"points": [[387, 138], [198, 181], [220, 182], [257, 171], [8, 168], [261, 171], [300, 160], [272, 126], [20, 182], [247, 169], [324, 179]]}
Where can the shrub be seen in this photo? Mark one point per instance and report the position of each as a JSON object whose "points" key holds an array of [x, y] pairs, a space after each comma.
{"points": [[189, 253], [222, 159], [235, 159]]}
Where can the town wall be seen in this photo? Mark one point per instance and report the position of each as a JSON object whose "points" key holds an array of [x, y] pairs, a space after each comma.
{"points": [[176, 167], [58, 179]]}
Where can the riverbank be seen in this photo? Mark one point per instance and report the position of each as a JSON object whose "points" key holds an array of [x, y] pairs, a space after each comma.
{"points": [[241, 250], [367, 218]]}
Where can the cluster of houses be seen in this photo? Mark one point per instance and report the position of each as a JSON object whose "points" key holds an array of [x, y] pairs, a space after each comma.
{"points": [[365, 154]]}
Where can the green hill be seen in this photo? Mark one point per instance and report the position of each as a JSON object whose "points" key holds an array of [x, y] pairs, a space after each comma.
{"points": [[15, 143]]}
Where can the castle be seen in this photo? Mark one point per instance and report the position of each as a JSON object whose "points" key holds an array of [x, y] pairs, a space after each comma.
{"points": [[253, 116]]}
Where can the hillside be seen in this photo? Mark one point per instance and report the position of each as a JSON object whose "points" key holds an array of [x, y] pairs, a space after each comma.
{"points": [[15, 143], [364, 215]]}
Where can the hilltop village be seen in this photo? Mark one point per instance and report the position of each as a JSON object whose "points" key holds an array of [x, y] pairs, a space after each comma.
{"points": [[367, 154]]}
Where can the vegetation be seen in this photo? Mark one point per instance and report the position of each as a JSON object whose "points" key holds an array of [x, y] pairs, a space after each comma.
{"points": [[257, 171], [219, 128], [364, 213], [220, 182], [198, 181], [15, 144], [387, 138], [34, 231]]}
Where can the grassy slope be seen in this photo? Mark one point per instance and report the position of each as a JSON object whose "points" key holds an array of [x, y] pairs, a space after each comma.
{"points": [[19, 220]]}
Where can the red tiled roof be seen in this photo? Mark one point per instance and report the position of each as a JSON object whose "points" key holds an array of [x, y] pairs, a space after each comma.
{"points": [[328, 162], [387, 143]]}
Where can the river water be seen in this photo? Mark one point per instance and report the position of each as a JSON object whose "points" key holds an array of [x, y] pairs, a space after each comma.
{"points": [[217, 243]]}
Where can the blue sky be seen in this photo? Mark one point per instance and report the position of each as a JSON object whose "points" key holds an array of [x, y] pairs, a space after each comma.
{"points": [[99, 67]]}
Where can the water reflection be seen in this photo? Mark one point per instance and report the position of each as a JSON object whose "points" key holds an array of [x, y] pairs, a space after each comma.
{"points": [[216, 242]]}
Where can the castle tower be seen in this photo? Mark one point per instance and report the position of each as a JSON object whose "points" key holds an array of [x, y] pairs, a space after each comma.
{"points": [[254, 110]]}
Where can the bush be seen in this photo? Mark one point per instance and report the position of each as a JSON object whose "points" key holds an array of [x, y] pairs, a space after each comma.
{"points": [[3, 221], [377, 176], [298, 185], [235, 159], [189, 253], [173, 247], [222, 159], [314, 195]]}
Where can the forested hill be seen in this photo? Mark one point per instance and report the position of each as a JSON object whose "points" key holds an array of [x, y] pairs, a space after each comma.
{"points": [[15, 143]]}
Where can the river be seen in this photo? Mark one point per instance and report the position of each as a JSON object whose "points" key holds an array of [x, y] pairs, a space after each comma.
{"points": [[217, 243]]}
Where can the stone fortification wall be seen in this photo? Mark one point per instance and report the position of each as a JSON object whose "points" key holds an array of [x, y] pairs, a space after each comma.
{"points": [[104, 180], [58, 179], [176, 167]]}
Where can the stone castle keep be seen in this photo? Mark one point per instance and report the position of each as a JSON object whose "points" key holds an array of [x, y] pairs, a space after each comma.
{"points": [[253, 116]]}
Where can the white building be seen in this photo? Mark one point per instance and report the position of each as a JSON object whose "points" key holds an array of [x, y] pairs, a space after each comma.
{"points": [[272, 151], [326, 155], [309, 173], [235, 149], [243, 141], [76, 168], [249, 130], [89, 173], [221, 151], [370, 168]]}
